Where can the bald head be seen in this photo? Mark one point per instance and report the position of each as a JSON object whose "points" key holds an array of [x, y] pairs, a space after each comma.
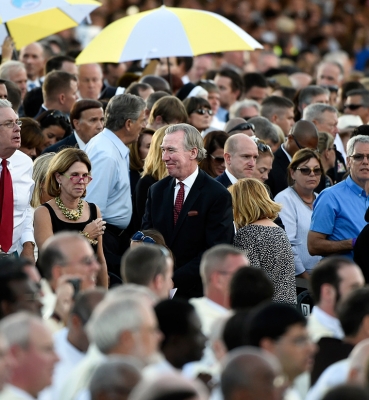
{"points": [[90, 81], [236, 141], [250, 373], [304, 129]]}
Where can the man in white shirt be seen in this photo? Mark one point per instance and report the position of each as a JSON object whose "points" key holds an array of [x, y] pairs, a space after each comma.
{"points": [[32, 347], [331, 280], [20, 167], [240, 155]]}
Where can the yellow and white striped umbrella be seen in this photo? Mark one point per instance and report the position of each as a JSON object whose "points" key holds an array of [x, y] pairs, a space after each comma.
{"points": [[166, 32], [27, 21]]}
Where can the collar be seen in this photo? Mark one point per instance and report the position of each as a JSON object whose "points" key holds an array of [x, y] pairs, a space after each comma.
{"points": [[215, 305], [20, 392], [332, 323], [285, 152], [123, 149], [359, 191], [231, 177], [189, 181], [80, 142]]}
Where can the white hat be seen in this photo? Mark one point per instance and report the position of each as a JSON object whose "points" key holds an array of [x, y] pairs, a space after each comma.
{"points": [[349, 121]]}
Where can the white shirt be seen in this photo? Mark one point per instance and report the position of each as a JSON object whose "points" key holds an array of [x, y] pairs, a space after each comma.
{"points": [[331, 325], [285, 152], [11, 392], [231, 177], [80, 142], [188, 182], [20, 167]]}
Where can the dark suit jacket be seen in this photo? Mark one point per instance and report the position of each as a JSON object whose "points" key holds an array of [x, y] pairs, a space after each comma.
{"points": [[205, 220], [277, 180], [224, 180], [69, 141]]}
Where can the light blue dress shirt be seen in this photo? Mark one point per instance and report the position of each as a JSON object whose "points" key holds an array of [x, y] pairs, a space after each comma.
{"points": [[110, 187], [339, 211]]}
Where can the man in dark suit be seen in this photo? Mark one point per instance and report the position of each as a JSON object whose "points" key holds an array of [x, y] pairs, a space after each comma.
{"points": [[87, 119], [240, 154], [302, 135], [190, 209]]}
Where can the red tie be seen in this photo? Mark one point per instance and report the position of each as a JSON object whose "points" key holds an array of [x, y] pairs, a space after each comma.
{"points": [[6, 208], [179, 202]]}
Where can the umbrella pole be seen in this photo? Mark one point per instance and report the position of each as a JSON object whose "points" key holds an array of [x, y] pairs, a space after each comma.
{"points": [[169, 75], [14, 53]]}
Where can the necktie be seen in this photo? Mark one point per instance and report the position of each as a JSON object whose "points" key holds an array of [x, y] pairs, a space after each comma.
{"points": [[6, 208], [179, 202]]}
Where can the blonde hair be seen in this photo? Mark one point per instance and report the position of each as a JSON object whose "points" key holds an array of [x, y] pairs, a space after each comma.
{"points": [[40, 167], [251, 202], [61, 163], [154, 165]]}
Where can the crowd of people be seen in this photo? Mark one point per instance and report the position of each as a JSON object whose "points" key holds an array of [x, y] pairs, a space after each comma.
{"points": [[196, 228]]}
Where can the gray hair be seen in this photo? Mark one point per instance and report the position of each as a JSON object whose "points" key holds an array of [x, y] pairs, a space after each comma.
{"points": [[248, 103], [16, 328], [122, 108], [116, 374], [133, 290], [356, 139], [306, 94], [192, 139], [360, 92], [264, 129], [5, 103], [314, 112], [10, 66], [214, 259], [112, 317], [332, 62]]}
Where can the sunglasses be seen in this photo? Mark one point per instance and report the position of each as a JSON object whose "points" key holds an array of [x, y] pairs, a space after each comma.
{"points": [[140, 237], [56, 114], [352, 107], [78, 179], [243, 127], [360, 157], [218, 160], [203, 111], [307, 171], [263, 147]]}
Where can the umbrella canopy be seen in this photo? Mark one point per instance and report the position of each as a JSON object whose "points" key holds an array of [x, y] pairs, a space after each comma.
{"points": [[27, 21], [166, 32]]}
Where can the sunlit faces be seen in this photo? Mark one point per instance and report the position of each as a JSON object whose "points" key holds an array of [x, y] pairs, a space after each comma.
{"points": [[3, 92], [285, 120], [217, 161], [70, 97], [263, 167], [52, 134], [145, 144], [257, 93], [10, 138], [241, 163], [329, 75], [75, 190], [214, 101], [90, 81], [359, 170], [354, 105], [19, 77], [90, 123], [201, 121], [351, 278], [307, 182], [33, 58], [135, 128], [227, 95]]}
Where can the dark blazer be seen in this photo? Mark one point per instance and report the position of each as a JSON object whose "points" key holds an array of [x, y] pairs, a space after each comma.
{"points": [[69, 141], [224, 180], [40, 111], [205, 220], [277, 180]]}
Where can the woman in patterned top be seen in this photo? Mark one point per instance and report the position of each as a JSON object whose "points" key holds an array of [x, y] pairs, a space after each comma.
{"points": [[265, 243]]}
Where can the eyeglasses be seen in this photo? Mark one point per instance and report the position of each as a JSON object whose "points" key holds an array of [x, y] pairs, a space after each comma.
{"points": [[360, 157], [307, 171], [297, 143], [78, 178], [353, 107], [140, 237], [243, 127], [218, 160], [203, 111], [263, 147], [11, 124]]}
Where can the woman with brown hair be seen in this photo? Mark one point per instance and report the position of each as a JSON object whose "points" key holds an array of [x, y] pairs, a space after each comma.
{"points": [[264, 243], [214, 164]]}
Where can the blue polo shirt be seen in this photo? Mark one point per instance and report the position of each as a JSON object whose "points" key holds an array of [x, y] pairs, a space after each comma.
{"points": [[339, 211]]}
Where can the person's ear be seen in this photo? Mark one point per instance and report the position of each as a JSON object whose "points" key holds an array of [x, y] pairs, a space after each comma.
{"points": [[61, 98], [268, 345], [227, 158], [293, 174], [193, 153]]}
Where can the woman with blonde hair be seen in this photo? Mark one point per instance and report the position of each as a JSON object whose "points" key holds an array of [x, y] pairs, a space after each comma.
{"points": [[154, 170], [40, 166], [264, 243]]}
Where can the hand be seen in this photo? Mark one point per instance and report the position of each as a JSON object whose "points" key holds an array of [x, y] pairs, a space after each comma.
{"points": [[95, 228], [7, 49], [64, 296], [28, 252]]}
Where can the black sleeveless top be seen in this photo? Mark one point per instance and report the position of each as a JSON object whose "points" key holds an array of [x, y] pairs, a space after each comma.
{"points": [[59, 225]]}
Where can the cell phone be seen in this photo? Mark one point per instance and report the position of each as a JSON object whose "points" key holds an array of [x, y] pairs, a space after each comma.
{"points": [[76, 283]]}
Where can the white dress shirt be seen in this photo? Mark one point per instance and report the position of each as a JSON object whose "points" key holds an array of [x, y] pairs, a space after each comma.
{"points": [[11, 392], [188, 182], [80, 142], [20, 167], [231, 177], [321, 324]]}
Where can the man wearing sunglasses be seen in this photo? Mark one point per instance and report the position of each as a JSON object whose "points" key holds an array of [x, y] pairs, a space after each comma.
{"points": [[190, 209], [338, 215], [357, 103]]}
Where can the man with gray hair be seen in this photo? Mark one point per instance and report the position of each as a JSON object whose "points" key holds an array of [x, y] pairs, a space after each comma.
{"points": [[246, 109], [338, 215], [266, 131], [123, 325], [32, 348], [15, 71], [253, 374], [312, 94], [190, 209], [110, 189]]}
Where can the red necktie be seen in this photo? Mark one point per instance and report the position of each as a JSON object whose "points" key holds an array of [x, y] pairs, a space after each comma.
{"points": [[6, 208], [179, 202]]}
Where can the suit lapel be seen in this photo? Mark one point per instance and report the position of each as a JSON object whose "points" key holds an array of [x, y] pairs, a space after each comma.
{"points": [[190, 200], [167, 207]]}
